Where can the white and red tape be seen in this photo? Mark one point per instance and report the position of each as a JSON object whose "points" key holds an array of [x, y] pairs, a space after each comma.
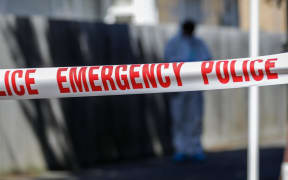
{"points": [[35, 83]]}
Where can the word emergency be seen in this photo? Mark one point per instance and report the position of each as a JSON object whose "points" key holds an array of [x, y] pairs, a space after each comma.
{"points": [[119, 77]]}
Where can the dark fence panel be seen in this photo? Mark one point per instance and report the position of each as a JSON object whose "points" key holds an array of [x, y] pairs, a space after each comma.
{"points": [[98, 128]]}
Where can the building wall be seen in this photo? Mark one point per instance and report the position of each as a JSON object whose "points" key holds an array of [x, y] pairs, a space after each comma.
{"points": [[272, 15], [167, 11], [204, 12]]}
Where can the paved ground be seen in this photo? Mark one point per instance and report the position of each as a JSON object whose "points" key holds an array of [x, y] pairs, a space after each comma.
{"points": [[230, 165]]}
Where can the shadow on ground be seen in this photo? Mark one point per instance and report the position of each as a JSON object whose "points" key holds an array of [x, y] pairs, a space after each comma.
{"points": [[227, 165]]}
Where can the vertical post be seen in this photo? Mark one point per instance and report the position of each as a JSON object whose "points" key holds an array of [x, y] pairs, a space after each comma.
{"points": [[253, 117], [286, 23], [284, 167]]}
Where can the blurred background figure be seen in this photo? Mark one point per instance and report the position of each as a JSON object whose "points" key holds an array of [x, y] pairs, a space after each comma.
{"points": [[187, 107]]}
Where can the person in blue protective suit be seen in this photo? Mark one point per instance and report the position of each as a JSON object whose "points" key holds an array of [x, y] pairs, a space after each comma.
{"points": [[187, 107]]}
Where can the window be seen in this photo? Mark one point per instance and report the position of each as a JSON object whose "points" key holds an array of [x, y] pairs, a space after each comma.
{"points": [[230, 15]]}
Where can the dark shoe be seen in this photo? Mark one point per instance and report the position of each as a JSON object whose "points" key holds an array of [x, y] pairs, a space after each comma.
{"points": [[180, 158], [199, 157]]}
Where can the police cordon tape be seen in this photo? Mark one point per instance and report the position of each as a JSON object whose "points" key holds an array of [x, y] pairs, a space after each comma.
{"points": [[35, 83]]}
